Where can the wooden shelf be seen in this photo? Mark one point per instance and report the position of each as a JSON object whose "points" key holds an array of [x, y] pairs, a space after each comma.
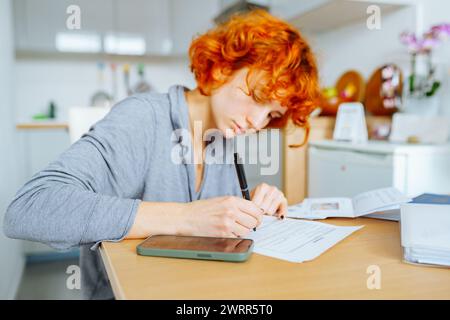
{"points": [[42, 125]]}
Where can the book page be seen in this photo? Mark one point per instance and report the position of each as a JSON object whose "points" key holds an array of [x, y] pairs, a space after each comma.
{"points": [[377, 200], [296, 240], [321, 208]]}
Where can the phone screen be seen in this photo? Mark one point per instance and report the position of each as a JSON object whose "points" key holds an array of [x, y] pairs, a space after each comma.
{"points": [[168, 242]]}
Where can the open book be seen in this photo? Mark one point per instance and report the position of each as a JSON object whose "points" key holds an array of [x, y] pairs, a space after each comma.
{"points": [[360, 205]]}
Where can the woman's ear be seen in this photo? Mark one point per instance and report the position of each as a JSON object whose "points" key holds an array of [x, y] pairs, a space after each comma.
{"points": [[219, 75]]}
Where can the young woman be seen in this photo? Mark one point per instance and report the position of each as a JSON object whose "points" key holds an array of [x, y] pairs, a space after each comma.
{"points": [[120, 180]]}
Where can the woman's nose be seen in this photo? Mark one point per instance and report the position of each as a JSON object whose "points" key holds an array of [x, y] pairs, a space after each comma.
{"points": [[257, 120], [252, 124]]}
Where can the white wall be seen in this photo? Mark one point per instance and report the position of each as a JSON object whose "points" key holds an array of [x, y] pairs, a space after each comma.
{"points": [[11, 257], [72, 83], [434, 12], [356, 47]]}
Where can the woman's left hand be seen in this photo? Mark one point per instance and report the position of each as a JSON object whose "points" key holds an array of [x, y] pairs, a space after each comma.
{"points": [[271, 200]]}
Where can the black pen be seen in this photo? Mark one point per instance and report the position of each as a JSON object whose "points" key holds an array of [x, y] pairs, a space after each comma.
{"points": [[241, 176]]}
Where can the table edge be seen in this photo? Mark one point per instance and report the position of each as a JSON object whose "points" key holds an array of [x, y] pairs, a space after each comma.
{"points": [[112, 276]]}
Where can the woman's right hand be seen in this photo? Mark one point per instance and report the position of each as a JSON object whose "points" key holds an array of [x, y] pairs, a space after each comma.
{"points": [[215, 217], [227, 216]]}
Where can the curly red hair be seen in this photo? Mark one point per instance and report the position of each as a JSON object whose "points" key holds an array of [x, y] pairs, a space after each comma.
{"points": [[272, 50]]}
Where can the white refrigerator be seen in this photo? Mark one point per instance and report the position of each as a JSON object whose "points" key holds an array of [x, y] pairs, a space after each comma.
{"points": [[343, 169]]}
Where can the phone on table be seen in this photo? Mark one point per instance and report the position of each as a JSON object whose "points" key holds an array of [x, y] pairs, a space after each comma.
{"points": [[190, 247]]}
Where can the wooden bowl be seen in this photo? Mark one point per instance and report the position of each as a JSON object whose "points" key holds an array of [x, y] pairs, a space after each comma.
{"points": [[350, 79], [355, 79]]}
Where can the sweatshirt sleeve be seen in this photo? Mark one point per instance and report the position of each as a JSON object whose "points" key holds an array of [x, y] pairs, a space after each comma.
{"points": [[91, 192]]}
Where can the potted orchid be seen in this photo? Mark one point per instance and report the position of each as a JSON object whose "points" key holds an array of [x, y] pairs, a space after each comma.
{"points": [[424, 85]]}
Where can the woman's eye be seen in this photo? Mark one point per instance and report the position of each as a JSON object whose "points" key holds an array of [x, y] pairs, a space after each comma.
{"points": [[273, 115]]}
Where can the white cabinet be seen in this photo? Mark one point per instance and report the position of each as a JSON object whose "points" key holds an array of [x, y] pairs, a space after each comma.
{"points": [[189, 18], [147, 19], [37, 22], [20, 27], [343, 169], [34, 30], [332, 14], [166, 26]]}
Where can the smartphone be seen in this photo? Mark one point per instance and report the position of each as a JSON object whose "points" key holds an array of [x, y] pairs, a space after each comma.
{"points": [[189, 247]]}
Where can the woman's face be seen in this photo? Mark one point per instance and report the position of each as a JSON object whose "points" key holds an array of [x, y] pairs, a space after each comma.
{"points": [[236, 113]]}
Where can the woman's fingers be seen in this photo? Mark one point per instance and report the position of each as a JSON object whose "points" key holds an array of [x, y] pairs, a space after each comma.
{"points": [[275, 204], [279, 206], [270, 200], [245, 220], [282, 210], [259, 193], [249, 208], [239, 230]]}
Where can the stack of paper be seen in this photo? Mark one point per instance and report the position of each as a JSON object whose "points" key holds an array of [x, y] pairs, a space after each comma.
{"points": [[297, 240], [425, 230], [427, 256], [365, 203]]}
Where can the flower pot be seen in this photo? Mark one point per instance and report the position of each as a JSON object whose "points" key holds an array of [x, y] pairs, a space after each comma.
{"points": [[427, 106]]}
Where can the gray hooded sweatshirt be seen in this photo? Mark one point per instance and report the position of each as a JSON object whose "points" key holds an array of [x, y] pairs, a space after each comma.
{"points": [[139, 152]]}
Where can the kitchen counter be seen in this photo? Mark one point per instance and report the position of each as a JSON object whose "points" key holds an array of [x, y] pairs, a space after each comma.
{"points": [[42, 125]]}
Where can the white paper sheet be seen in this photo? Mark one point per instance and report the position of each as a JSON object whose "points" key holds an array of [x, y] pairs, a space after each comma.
{"points": [[321, 208], [297, 240], [362, 204], [390, 214], [380, 199]]}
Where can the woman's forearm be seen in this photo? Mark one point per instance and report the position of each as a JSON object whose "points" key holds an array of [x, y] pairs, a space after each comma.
{"points": [[63, 216], [226, 216], [158, 218]]}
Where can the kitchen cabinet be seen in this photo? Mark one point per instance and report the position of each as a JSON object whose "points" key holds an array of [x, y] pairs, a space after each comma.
{"points": [[146, 19], [188, 18], [96, 16], [333, 14], [166, 26], [34, 30], [37, 23], [20, 25]]}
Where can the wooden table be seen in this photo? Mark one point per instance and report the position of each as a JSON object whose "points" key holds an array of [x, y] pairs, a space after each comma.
{"points": [[339, 273]]}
